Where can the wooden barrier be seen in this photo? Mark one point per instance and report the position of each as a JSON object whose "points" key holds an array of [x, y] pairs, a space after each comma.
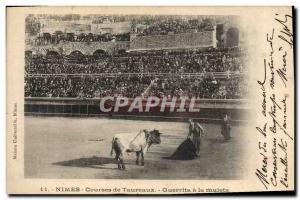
{"points": [[210, 109]]}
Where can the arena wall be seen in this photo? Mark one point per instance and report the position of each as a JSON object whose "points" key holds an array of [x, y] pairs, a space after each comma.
{"points": [[174, 41], [86, 48], [210, 109]]}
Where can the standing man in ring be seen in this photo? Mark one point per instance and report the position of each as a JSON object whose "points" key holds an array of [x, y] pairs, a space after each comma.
{"points": [[196, 132]]}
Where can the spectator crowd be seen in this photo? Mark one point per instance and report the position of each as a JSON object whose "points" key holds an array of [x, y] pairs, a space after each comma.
{"points": [[133, 86], [176, 73], [169, 25], [164, 62]]}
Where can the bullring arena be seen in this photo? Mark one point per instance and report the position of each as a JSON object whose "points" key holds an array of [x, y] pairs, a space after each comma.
{"points": [[65, 147], [72, 62]]}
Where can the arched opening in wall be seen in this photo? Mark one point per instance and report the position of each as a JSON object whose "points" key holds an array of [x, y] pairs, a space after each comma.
{"points": [[46, 38], [70, 37], [90, 37], [53, 55], [57, 37], [58, 33], [232, 37], [220, 35], [77, 57], [76, 54], [100, 53]]}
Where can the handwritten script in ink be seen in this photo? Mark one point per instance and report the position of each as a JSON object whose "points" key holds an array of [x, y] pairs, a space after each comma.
{"points": [[273, 132]]}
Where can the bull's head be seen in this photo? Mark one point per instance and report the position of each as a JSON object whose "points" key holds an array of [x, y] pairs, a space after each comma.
{"points": [[154, 137]]}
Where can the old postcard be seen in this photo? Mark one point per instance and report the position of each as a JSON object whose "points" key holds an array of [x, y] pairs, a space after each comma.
{"points": [[150, 100]]}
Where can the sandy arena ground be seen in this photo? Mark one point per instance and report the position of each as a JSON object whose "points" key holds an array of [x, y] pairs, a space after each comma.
{"points": [[58, 147]]}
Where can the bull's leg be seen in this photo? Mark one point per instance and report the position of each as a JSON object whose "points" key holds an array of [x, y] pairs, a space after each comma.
{"points": [[142, 158], [118, 162], [121, 164], [137, 158], [112, 147], [118, 159]]}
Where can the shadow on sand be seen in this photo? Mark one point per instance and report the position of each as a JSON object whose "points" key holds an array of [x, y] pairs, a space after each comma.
{"points": [[92, 162], [219, 140]]}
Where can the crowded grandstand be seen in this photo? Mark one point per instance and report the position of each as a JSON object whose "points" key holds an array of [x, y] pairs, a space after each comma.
{"points": [[204, 59]]}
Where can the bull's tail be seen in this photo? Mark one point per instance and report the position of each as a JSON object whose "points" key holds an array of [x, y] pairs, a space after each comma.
{"points": [[112, 147]]}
